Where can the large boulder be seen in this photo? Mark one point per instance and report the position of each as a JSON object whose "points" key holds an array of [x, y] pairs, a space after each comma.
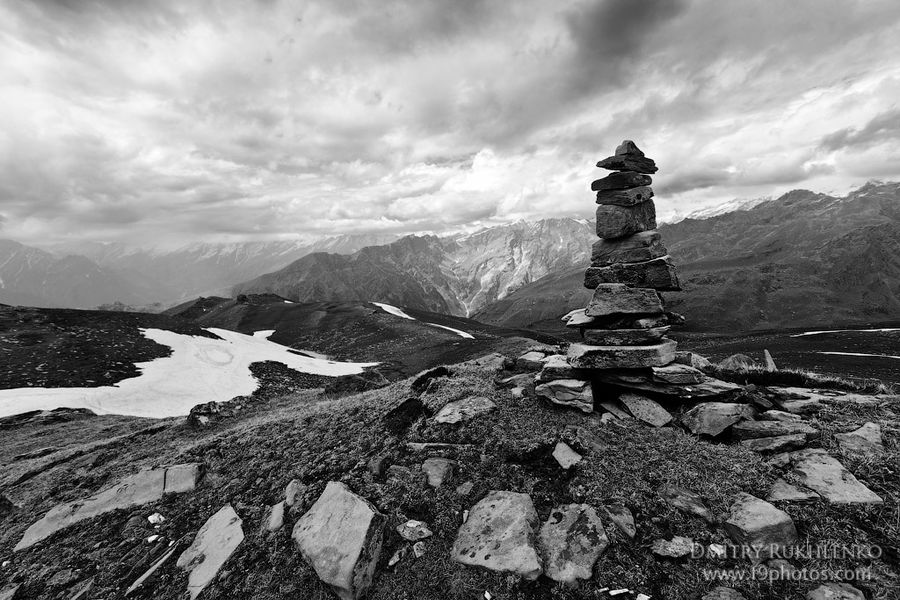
{"points": [[340, 537], [214, 544], [619, 221], [646, 410], [825, 475], [575, 393], [584, 356], [571, 541], [658, 274], [639, 247], [756, 523], [499, 535], [463, 410], [618, 299], [141, 488]]}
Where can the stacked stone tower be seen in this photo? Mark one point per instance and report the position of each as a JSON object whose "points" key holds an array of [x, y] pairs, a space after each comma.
{"points": [[625, 322]]}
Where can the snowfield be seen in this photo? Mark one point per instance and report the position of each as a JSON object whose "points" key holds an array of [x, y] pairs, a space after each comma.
{"points": [[198, 370], [393, 310]]}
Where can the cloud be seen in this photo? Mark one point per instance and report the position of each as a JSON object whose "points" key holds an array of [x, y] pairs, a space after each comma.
{"points": [[882, 127], [146, 121]]}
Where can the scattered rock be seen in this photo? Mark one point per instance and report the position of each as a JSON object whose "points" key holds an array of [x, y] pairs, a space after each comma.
{"points": [[182, 478], [419, 549], [275, 518], [658, 274], [340, 537], [491, 362], [571, 541], [645, 409], [782, 491], [565, 456], [413, 531], [867, 439], [621, 518], [618, 298], [678, 374], [400, 418], [583, 356], [749, 430], [422, 380], [63, 577], [780, 415], [215, 542], [824, 474], [378, 465], [780, 460], [779, 443], [499, 535], [835, 591], [756, 523], [464, 489], [691, 359], [713, 418], [530, 361], [686, 501], [578, 318], [6, 506], [399, 473], [737, 362], [806, 406], [575, 393], [770, 362], [293, 492], [723, 593], [9, 593], [140, 488], [677, 547], [614, 409], [463, 410], [438, 470]]}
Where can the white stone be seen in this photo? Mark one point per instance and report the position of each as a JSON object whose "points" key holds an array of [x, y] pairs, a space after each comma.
{"points": [[214, 544], [565, 456]]}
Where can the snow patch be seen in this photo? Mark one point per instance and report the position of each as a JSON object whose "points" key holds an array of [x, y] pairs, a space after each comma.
{"points": [[399, 313], [263, 333], [861, 354], [887, 329], [199, 370]]}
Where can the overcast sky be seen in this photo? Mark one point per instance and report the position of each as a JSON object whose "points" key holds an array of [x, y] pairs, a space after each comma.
{"points": [[148, 121]]}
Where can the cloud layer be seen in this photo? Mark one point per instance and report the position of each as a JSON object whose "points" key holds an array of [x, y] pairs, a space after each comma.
{"points": [[171, 121]]}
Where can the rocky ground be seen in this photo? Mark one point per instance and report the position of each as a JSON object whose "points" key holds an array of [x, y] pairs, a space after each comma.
{"points": [[508, 494]]}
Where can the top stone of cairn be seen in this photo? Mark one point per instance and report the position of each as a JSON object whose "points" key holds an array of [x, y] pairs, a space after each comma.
{"points": [[628, 157]]}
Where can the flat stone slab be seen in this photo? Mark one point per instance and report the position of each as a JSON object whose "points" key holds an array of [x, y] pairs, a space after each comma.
{"points": [[141, 488], [629, 162], [692, 359], [749, 430], [621, 518], [760, 525], [531, 361], [778, 443], [643, 379], [780, 415], [575, 393], [825, 475], [565, 456], [618, 299], [557, 367], [627, 197], [677, 547], [686, 501], [619, 221], [341, 537], [658, 274], [639, 247], [499, 535], [678, 374], [835, 591], [865, 440], [571, 540], [646, 410], [438, 470], [212, 547], [583, 356], [463, 410], [782, 491], [620, 181], [624, 337]]}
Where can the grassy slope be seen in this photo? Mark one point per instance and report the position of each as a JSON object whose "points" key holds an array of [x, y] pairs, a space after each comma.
{"points": [[316, 438]]}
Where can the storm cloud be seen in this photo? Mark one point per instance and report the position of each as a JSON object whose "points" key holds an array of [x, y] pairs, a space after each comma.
{"points": [[177, 121]]}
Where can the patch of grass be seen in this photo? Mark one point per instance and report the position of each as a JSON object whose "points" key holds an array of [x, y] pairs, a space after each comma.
{"points": [[758, 375]]}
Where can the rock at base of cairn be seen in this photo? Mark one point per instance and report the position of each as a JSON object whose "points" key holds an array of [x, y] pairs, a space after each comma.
{"points": [[639, 247], [658, 274], [575, 393], [583, 356], [618, 221]]}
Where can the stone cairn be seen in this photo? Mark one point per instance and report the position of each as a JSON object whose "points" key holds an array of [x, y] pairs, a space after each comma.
{"points": [[625, 323]]}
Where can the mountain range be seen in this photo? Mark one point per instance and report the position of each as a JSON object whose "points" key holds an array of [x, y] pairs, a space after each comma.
{"points": [[804, 258]]}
